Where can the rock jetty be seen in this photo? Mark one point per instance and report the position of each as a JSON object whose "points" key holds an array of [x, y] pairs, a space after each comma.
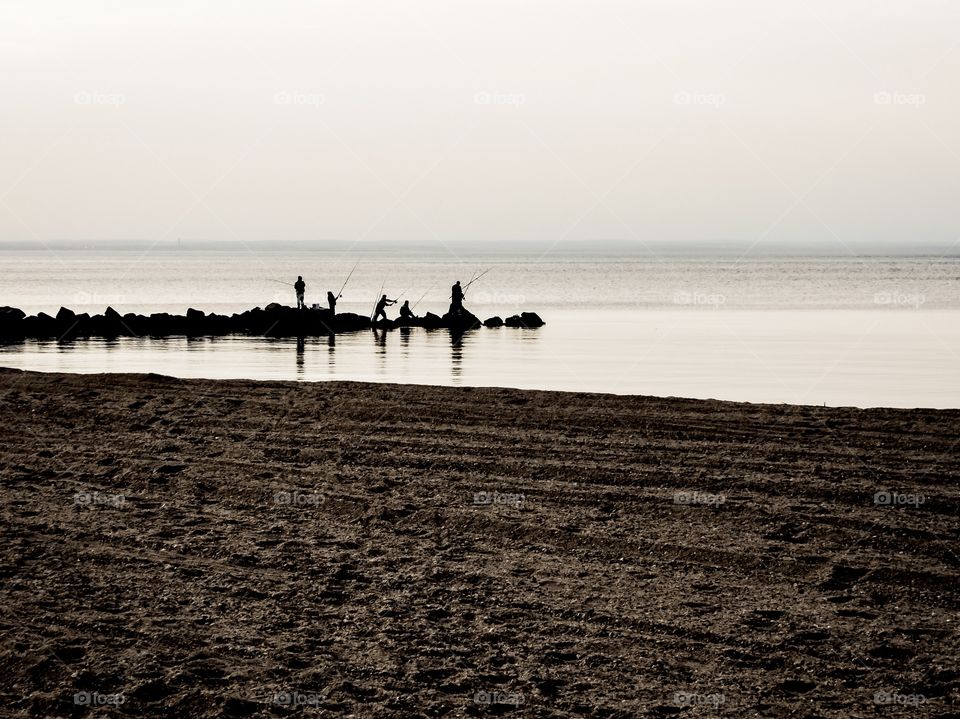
{"points": [[274, 320]]}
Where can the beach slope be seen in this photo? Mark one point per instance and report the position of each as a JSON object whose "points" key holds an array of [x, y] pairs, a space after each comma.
{"points": [[237, 548]]}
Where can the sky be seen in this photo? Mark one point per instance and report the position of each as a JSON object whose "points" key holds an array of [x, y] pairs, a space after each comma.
{"points": [[805, 123]]}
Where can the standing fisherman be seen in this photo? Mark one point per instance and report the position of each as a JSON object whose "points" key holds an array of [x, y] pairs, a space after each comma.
{"points": [[456, 296], [299, 287]]}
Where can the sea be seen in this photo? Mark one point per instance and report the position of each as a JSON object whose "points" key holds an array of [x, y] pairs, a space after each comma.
{"points": [[862, 331]]}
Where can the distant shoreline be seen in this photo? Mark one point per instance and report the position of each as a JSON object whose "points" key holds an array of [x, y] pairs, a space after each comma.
{"points": [[442, 250]]}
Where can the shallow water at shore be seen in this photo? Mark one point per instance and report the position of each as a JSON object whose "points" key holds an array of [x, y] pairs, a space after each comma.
{"points": [[895, 358]]}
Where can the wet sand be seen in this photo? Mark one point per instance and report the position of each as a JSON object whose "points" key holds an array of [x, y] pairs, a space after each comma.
{"points": [[237, 548]]}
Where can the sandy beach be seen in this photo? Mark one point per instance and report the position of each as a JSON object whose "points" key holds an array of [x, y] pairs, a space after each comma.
{"points": [[236, 548]]}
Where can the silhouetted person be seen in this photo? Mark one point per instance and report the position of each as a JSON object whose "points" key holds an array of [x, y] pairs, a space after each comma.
{"points": [[382, 307], [405, 311], [299, 287], [332, 301], [456, 299]]}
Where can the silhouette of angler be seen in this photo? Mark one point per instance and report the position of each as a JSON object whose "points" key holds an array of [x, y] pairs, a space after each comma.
{"points": [[456, 299], [381, 308], [299, 287], [405, 310], [332, 301]]}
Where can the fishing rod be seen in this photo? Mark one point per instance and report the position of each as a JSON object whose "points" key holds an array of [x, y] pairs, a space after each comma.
{"points": [[476, 278], [421, 298], [340, 293], [464, 288], [379, 295], [289, 284]]}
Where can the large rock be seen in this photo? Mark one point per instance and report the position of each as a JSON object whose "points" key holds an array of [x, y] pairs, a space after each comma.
{"points": [[493, 322], [531, 319], [195, 323], [70, 324], [525, 319], [11, 322], [64, 315], [109, 324], [431, 321], [43, 325], [12, 313], [462, 321], [349, 322]]}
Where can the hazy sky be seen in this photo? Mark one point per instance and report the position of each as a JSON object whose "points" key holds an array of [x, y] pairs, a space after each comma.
{"points": [[769, 122]]}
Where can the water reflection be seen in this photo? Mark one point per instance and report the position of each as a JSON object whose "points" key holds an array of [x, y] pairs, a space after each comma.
{"points": [[380, 342], [456, 356], [301, 346]]}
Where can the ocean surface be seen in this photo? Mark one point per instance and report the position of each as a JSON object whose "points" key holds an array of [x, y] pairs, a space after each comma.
{"points": [[869, 331]]}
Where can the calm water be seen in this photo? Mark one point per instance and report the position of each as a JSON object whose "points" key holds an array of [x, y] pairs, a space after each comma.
{"points": [[866, 332]]}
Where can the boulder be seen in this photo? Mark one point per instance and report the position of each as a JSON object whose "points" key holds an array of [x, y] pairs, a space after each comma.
{"points": [[195, 323], [100, 326], [531, 319], [109, 324], [64, 315], [493, 322], [11, 322], [7, 313], [349, 322], [43, 325], [70, 324], [431, 321], [461, 322], [525, 319]]}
